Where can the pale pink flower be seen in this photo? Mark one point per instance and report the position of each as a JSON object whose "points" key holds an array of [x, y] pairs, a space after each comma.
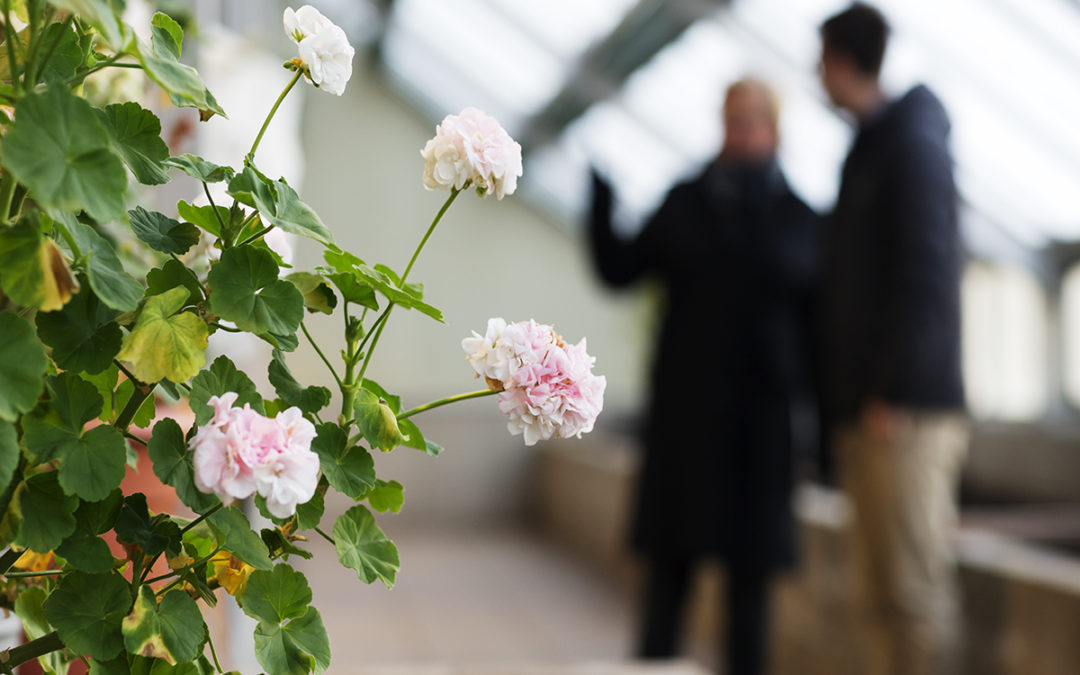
{"points": [[547, 387], [472, 149], [240, 452]]}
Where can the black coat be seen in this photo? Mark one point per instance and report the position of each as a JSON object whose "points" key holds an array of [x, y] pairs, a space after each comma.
{"points": [[734, 250], [891, 282]]}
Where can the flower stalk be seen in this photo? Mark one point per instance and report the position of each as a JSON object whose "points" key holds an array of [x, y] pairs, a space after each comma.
{"points": [[250, 159], [446, 401]]}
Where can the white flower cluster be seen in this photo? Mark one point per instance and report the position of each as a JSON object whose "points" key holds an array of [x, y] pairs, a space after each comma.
{"points": [[324, 48], [472, 149]]}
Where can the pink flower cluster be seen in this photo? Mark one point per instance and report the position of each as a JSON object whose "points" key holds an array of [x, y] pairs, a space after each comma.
{"points": [[241, 452], [472, 148], [547, 387]]}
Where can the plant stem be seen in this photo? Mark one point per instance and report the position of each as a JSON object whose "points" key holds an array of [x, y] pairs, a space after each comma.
{"points": [[321, 355], [256, 235], [446, 401], [213, 207], [325, 536], [213, 652], [140, 394], [214, 509], [112, 60], [13, 67], [7, 192], [16, 656], [189, 566], [454, 192], [43, 573], [258, 139]]}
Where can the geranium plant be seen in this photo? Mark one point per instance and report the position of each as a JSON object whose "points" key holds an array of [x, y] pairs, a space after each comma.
{"points": [[87, 347]]}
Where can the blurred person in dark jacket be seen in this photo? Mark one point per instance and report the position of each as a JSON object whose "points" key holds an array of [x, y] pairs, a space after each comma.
{"points": [[891, 350], [735, 251]]}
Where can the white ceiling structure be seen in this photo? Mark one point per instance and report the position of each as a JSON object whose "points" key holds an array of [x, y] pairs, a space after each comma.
{"points": [[1008, 72]]}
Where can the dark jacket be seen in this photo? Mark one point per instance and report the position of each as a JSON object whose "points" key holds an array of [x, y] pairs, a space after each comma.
{"points": [[891, 287], [734, 250]]}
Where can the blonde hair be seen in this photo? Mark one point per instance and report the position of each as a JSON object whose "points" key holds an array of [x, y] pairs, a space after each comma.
{"points": [[758, 87]]}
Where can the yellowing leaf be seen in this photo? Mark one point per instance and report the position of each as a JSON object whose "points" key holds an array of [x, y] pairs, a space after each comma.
{"points": [[32, 269], [164, 344]]}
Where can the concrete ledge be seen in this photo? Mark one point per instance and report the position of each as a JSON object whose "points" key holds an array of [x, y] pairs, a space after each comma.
{"points": [[1022, 602]]}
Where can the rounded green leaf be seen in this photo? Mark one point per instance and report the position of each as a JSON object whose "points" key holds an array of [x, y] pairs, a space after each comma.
{"points": [[33, 271], [91, 464], [84, 335], [162, 233], [387, 496], [245, 289], [299, 647], [200, 169], [276, 595], [233, 532], [46, 516], [173, 631], [172, 464], [25, 364], [363, 547], [115, 287], [87, 611], [136, 136], [222, 376], [349, 470], [377, 421], [308, 399], [59, 150], [164, 344]]}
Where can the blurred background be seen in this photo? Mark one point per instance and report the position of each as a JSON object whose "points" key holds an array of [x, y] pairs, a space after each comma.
{"points": [[512, 557]]}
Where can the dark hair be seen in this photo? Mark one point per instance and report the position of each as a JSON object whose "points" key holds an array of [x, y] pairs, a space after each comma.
{"points": [[860, 32]]}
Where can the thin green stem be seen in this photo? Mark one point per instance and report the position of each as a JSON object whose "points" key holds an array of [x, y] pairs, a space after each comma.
{"points": [[446, 401], [454, 192], [256, 235], [320, 353], [214, 509], [75, 80], [213, 207], [189, 566], [213, 652], [10, 37], [140, 394], [375, 341], [31, 52], [325, 536], [16, 656], [132, 437], [226, 328], [379, 320], [25, 575], [285, 92], [7, 192]]}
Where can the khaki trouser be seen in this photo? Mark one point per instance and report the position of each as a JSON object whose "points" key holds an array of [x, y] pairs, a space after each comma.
{"points": [[904, 494]]}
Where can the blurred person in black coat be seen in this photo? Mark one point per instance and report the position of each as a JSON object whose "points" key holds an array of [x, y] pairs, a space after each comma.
{"points": [[893, 393], [735, 251]]}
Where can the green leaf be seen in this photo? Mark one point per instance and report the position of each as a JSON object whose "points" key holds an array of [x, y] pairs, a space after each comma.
{"points": [[350, 471], [66, 57], [164, 344], [279, 205], [91, 464], [59, 150], [200, 169], [84, 549], [309, 400], [102, 15], [136, 136], [113, 286], [363, 547], [222, 377], [144, 416], [182, 82], [33, 271], [353, 290], [153, 535], [105, 383], [162, 233], [345, 262], [299, 647], [234, 534], [414, 438], [310, 513], [25, 364], [9, 454], [387, 496], [171, 34], [394, 402], [173, 632], [46, 516], [377, 421], [29, 608], [279, 544], [276, 595], [203, 216], [171, 274], [83, 336], [172, 465], [318, 296], [87, 610], [245, 289]]}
